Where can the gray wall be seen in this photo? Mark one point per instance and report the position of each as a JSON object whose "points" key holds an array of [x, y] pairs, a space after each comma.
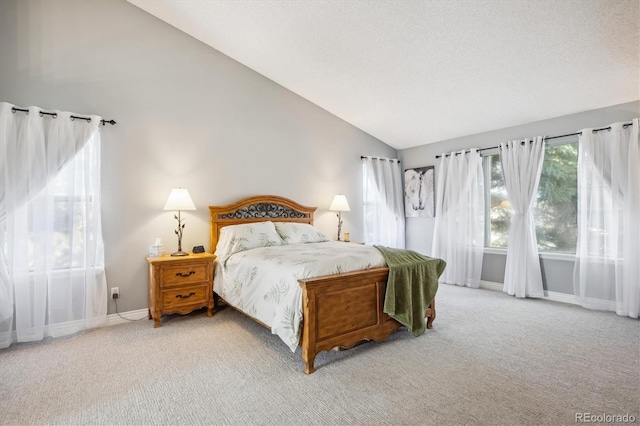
{"points": [[187, 116], [557, 274]]}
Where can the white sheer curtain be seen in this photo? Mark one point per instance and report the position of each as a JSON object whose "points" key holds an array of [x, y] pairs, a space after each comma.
{"points": [[522, 166], [607, 271], [52, 279], [459, 225], [383, 202]]}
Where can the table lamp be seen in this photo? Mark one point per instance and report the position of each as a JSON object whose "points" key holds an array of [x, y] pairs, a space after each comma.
{"points": [[179, 199], [339, 204]]}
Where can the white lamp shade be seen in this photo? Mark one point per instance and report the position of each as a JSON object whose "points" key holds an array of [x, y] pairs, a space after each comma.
{"points": [[179, 199], [339, 204]]}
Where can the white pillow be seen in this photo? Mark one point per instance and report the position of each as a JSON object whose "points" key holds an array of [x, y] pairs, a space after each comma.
{"points": [[296, 233], [237, 238]]}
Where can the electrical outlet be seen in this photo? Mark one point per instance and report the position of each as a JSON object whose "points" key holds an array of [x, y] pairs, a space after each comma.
{"points": [[115, 292]]}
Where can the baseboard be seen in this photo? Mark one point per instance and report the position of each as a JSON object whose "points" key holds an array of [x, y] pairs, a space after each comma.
{"points": [[599, 304], [115, 319], [548, 295], [70, 327], [490, 285], [560, 297]]}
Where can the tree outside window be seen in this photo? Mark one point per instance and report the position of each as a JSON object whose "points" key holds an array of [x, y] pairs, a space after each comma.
{"points": [[555, 208]]}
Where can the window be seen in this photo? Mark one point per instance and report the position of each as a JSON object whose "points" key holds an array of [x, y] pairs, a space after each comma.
{"points": [[498, 213], [555, 208], [383, 202], [69, 198], [76, 204]]}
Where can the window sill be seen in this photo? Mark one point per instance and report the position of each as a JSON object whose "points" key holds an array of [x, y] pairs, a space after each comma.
{"points": [[568, 257], [492, 250]]}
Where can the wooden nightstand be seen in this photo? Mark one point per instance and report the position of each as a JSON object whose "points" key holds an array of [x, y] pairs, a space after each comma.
{"points": [[180, 285]]}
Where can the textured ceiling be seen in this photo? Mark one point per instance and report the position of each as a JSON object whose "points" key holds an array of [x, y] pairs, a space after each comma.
{"points": [[417, 72]]}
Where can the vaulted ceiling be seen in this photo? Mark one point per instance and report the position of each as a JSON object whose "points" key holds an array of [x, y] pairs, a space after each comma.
{"points": [[417, 72]]}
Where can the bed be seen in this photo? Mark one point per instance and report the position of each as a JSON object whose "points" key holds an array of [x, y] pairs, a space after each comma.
{"points": [[339, 310]]}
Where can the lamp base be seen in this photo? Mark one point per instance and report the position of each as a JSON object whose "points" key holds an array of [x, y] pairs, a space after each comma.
{"points": [[180, 253]]}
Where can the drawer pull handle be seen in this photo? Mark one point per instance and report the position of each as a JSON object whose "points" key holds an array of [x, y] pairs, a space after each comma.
{"points": [[180, 274], [180, 296]]}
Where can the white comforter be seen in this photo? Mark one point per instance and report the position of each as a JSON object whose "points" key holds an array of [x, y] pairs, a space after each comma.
{"points": [[263, 282]]}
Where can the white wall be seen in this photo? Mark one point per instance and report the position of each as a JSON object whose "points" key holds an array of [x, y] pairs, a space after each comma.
{"points": [[187, 116], [557, 274]]}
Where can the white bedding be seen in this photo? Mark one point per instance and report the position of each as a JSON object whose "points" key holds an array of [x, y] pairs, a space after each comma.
{"points": [[263, 282]]}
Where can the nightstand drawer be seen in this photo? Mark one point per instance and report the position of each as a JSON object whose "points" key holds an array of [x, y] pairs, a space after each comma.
{"points": [[184, 296], [185, 274]]}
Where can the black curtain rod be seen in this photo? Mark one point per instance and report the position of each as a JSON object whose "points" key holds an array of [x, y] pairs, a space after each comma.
{"points": [[546, 138], [362, 157], [55, 115]]}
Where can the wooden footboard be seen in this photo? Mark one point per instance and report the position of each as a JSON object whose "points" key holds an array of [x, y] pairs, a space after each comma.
{"points": [[344, 309]]}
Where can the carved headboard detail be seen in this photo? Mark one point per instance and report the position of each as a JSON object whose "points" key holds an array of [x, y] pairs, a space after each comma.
{"points": [[257, 209]]}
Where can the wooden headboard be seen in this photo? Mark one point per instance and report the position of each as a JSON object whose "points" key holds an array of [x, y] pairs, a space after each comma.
{"points": [[257, 209]]}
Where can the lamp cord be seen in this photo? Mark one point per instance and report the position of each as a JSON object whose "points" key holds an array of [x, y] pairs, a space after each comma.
{"points": [[132, 320]]}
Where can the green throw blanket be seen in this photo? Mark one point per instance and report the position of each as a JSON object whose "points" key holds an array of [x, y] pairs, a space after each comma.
{"points": [[412, 285]]}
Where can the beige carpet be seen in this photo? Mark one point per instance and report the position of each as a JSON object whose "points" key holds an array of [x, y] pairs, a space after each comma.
{"points": [[491, 359]]}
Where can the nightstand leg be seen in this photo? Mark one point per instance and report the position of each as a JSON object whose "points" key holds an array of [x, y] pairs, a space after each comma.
{"points": [[150, 317], [156, 321], [210, 310]]}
